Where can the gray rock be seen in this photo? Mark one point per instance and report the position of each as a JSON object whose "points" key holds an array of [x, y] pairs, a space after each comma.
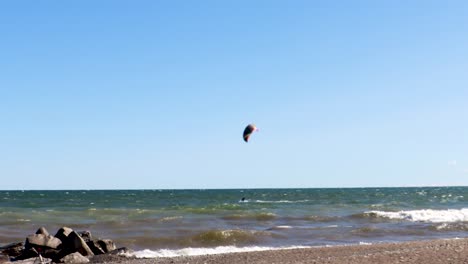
{"points": [[39, 240], [74, 258], [107, 245], [63, 233], [42, 231]]}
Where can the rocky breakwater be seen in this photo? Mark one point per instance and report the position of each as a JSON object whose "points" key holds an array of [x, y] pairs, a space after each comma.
{"points": [[66, 246]]}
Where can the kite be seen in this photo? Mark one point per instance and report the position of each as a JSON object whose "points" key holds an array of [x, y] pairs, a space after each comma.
{"points": [[248, 131]]}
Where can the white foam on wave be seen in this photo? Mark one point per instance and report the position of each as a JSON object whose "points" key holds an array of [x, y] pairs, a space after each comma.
{"points": [[169, 253], [427, 215], [282, 201], [281, 227]]}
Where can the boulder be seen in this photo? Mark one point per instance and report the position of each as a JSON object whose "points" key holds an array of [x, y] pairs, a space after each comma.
{"points": [[74, 243], [86, 235], [107, 245], [41, 241], [74, 258], [42, 231], [101, 246], [63, 233], [95, 247]]}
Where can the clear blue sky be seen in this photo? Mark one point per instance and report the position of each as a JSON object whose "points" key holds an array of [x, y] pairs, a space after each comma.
{"points": [[156, 94]]}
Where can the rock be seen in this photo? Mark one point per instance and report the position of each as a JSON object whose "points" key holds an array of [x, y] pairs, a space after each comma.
{"points": [[74, 258], [74, 243], [39, 240], [42, 231], [101, 246], [12, 250], [26, 254], [51, 253], [107, 245], [95, 247], [63, 233], [86, 235]]}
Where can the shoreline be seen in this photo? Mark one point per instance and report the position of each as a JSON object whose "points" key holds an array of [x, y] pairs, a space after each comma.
{"points": [[426, 251]]}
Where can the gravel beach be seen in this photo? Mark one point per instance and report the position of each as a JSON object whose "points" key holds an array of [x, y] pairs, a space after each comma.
{"points": [[433, 251]]}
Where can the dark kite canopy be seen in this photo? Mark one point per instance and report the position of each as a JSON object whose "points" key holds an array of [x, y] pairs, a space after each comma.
{"points": [[248, 131]]}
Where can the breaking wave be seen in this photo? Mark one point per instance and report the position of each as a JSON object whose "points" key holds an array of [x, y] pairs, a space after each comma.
{"points": [[281, 201], [166, 253], [425, 215]]}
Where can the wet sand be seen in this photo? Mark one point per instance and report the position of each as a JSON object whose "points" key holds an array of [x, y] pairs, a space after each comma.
{"points": [[428, 252]]}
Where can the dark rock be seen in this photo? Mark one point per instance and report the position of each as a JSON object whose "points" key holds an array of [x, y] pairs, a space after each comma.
{"points": [[12, 250], [63, 233], [42, 231], [42, 241], [26, 254], [86, 235], [107, 245], [95, 247], [74, 258], [101, 246], [74, 243], [50, 253]]}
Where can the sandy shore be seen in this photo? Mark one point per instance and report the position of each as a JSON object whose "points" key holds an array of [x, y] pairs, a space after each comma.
{"points": [[434, 251]]}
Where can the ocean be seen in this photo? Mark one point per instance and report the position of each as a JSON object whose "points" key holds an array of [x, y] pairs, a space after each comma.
{"points": [[158, 223]]}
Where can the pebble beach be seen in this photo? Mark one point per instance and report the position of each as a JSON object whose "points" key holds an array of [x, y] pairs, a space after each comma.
{"points": [[429, 252]]}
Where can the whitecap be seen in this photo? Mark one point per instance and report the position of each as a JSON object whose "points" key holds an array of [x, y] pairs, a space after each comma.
{"points": [[427, 215], [167, 253], [282, 201]]}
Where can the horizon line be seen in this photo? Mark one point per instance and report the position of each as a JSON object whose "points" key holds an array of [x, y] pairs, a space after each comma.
{"points": [[259, 188]]}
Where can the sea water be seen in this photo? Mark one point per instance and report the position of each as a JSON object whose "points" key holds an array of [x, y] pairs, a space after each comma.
{"points": [[164, 223]]}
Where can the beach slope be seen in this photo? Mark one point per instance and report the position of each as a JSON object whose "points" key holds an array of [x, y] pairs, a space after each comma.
{"points": [[428, 252]]}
